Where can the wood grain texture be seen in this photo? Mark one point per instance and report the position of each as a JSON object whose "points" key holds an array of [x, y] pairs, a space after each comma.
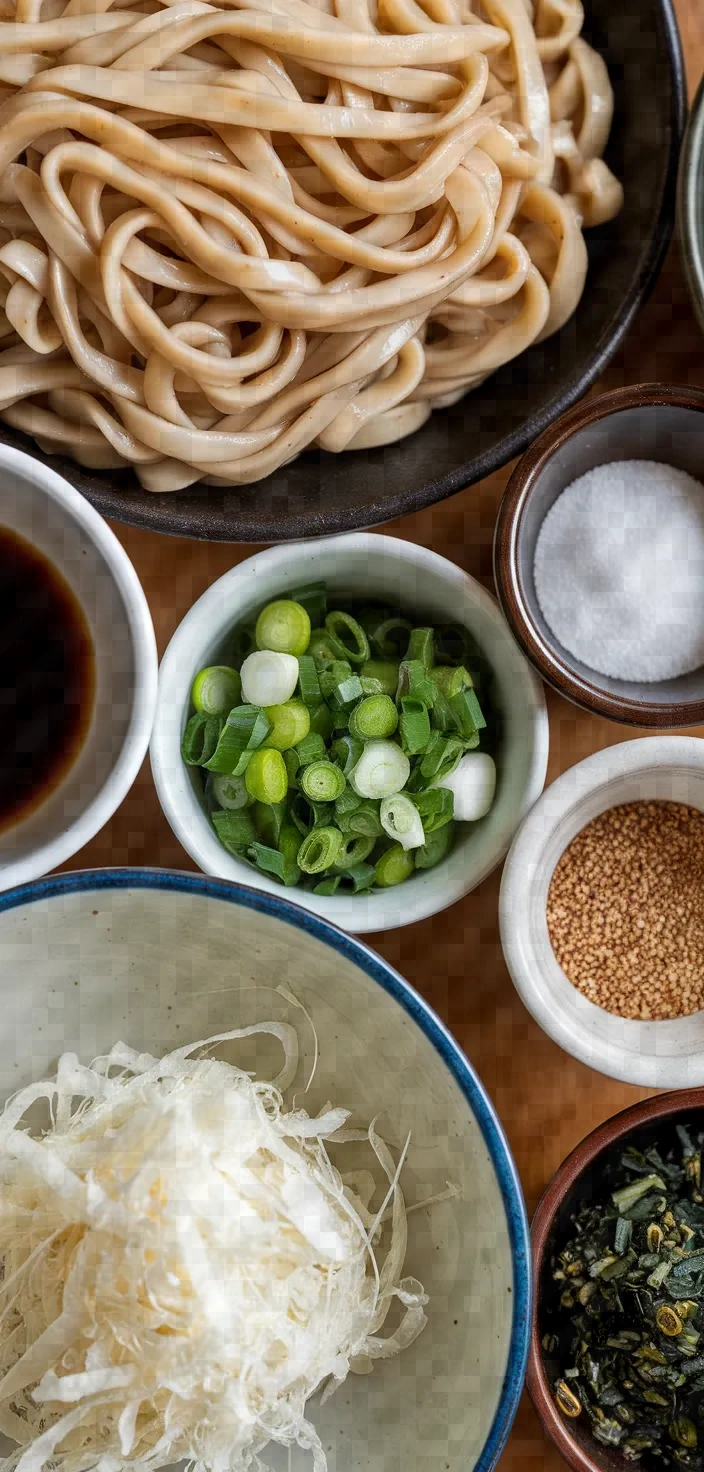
{"points": [[546, 1100]]}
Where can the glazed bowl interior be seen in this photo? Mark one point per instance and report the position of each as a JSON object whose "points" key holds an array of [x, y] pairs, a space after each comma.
{"points": [[663, 1054], [423, 586], [689, 204], [580, 1179], [36, 504], [159, 960], [597, 433], [320, 493]]}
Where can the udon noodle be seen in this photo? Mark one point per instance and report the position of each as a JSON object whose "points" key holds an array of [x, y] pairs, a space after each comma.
{"points": [[231, 231]]}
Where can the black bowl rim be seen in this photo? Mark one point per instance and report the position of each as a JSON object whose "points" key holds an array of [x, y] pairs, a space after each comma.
{"points": [[114, 503]]}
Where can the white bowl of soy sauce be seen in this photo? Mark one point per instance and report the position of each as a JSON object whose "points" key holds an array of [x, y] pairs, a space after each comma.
{"points": [[78, 670]]}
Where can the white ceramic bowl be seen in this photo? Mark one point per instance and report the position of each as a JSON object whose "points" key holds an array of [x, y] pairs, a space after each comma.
{"points": [[158, 960], [43, 508], [416, 580], [657, 1055]]}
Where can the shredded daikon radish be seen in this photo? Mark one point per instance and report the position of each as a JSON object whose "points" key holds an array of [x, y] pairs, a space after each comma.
{"points": [[183, 1266]]}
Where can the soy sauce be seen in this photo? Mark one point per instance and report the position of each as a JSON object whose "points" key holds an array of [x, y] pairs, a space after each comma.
{"points": [[47, 678]]}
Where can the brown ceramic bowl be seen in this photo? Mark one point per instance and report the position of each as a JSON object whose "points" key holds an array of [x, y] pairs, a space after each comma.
{"points": [[578, 1176], [649, 421]]}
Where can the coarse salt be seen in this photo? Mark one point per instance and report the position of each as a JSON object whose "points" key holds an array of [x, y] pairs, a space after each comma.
{"points": [[619, 570]]}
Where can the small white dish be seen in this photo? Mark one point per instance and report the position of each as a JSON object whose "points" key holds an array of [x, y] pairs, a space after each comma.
{"points": [[158, 960], [657, 1055], [46, 511], [409, 577]]}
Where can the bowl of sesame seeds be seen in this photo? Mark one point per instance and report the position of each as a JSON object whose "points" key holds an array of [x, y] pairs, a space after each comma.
{"points": [[602, 911]]}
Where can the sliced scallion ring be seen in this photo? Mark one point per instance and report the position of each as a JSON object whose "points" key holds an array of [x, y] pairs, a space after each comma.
{"points": [[401, 820], [395, 866], [350, 633], [269, 678], [382, 770], [216, 690], [322, 781], [229, 792], [320, 850], [283, 626], [374, 718], [266, 776], [290, 723]]}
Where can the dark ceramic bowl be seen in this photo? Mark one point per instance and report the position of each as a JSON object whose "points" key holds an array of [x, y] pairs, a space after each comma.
{"points": [[322, 493], [576, 1180], [647, 422], [690, 204]]}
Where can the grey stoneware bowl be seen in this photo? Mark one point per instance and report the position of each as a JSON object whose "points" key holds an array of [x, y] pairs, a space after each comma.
{"points": [[321, 493], [157, 960], [646, 422]]}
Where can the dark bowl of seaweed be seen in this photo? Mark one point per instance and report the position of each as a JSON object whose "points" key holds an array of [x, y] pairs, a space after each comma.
{"points": [[616, 1369]]}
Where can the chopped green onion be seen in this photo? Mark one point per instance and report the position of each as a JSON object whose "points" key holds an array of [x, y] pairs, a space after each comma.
{"points": [[339, 685], [314, 599], [436, 807], [243, 732], [421, 646], [355, 850], [472, 784], [415, 683], [200, 739], [308, 682], [266, 776], [374, 718], [379, 677], [319, 850], [322, 782], [415, 726], [451, 679], [281, 859], [290, 723], [382, 769], [401, 820], [268, 859], [311, 749], [467, 714], [269, 678], [441, 718], [322, 722], [283, 626], [269, 819], [328, 886], [216, 689], [347, 802], [364, 820], [229, 792], [350, 633], [437, 845], [292, 762], [390, 637], [441, 758], [346, 751], [240, 643], [394, 866], [357, 879], [235, 831], [453, 644], [324, 648]]}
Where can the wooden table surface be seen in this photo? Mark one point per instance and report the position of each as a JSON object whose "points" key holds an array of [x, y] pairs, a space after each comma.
{"points": [[545, 1099]]}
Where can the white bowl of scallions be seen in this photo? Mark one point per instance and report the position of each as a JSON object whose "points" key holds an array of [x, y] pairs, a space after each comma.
{"points": [[402, 678]]}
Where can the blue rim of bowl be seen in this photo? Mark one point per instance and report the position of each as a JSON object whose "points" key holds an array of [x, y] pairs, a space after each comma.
{"points": [[87, 880], [690, 192]]}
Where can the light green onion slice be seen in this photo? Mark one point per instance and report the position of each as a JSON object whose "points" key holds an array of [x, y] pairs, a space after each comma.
{"points": [[311, 749], [415, 726], [379, 677], [364, 820], [414, 682], [451, 678], [467, 715], [355, 850], [382, 770], [350, 633], [394, 866], [322, 782], [290, 723], [324, 647], [390, 638], [283, 626], [421, 646], [266, 776], [243, 731], [441, 758], [320, 850], [216, 690], [374, 718], [437, 845], [268, 678], [269, 819], [200, 739], [229, 792], [401, 820], [346, 751], [308, 682], [436, 808]]}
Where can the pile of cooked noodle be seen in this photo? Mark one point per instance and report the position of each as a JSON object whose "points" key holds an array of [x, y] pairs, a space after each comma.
{"points": [[231, 231]]}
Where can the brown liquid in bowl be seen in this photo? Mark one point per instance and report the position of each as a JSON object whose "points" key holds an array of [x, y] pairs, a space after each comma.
{"points": [[47, 678]]}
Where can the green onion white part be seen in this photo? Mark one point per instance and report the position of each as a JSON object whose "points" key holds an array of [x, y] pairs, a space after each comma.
{"points": [[382, 770], [269, 678], [473, 785], [401, 820]]}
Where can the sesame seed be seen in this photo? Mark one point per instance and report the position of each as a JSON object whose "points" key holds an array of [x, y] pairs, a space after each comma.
{"points": [[625, 910]]}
